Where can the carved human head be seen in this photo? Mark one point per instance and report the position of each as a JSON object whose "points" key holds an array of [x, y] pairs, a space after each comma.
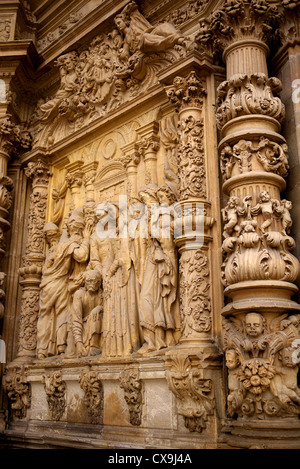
{"points": [[287, 357], [75, 224], [92, 280], [264, 196], [232, 359], [52, 233], [255, 324]]}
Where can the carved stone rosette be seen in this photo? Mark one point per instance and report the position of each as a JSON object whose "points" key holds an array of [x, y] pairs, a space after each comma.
{"points": [[31, 271], [261, 328]]}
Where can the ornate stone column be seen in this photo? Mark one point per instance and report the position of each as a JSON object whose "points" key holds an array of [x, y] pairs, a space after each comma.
{"points": [[192, 370], [148, 145], [31, 272], [261, 325], [74, 179], [88, 179], [192, 210], [130, 160]]}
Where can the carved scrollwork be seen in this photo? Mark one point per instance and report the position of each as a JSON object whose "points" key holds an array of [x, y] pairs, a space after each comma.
{"points": [[55, 389], [133, 394], [244, 95], [93, 395], [195, 301], [17, 387]]}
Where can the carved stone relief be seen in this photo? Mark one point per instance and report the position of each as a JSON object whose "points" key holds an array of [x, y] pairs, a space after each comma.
{"points": [[133, 394], [93, 395], [18, 390], [117, 66], [194, 393], [260, 356], [55, 389]]}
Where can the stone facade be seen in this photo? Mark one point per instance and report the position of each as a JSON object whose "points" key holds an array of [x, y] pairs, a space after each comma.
{"points": [[149, 224]]}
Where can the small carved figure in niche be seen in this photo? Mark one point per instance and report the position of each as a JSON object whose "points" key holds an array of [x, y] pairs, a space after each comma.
{"points": [[284, 384], [158, 306], [243, 156], [268, 207], [87, 312], [52, 325], [236, 390], [231, 213]]}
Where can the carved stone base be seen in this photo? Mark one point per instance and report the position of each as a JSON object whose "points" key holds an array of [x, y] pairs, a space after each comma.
{"points": [[92, 403], [261, 434], [262, 295]]}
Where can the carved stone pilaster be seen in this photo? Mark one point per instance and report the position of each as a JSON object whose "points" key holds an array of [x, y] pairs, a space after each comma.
{"points": [[74, 180], [148, 145], [188, 95], [31, 271], [89, 178], [130, 159]]}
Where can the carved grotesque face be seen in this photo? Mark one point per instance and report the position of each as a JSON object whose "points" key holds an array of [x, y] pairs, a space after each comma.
{"points": [[92, 281], [254, 324]]}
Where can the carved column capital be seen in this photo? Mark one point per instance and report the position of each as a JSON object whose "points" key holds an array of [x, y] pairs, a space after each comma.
{"points": [[186, 92], [39, 173]]}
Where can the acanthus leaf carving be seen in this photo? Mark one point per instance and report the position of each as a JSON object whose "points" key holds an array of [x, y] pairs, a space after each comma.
{"points": [[93, 395], [133, 394], [260, 357], [55, 389], [193, 391]]}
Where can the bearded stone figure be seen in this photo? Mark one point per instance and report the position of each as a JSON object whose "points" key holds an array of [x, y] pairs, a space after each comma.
{"points": [[52, 326]]}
